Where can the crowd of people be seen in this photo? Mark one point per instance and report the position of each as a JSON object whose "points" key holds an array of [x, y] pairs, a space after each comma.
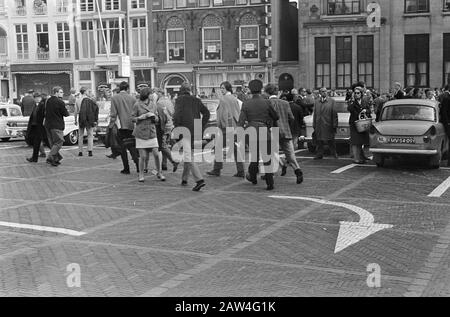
{"points": [[144, 124]]}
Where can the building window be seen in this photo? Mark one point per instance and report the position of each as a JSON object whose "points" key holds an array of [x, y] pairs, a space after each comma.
{"points": [[212, 44], [138, 4], [111, 5], [110, 36], [63, 40], [365, 59], [62, 6], [40, 7], [204, 3], [343, 7], [139, 36], [322, 48], [3, 45], [168, 4], [446, 5], [446, 59], [87, 39], [416, 6], [343, 62], [175, 45], [209, 84], [42, 41], [241, 2], [181, 3], [218, 3], [87, 6], [21, 8], [85, 75], [417, 58], [22, 41]]}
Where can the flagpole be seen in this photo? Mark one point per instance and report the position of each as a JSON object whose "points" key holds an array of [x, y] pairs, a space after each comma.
{"points": [[103, 30]]}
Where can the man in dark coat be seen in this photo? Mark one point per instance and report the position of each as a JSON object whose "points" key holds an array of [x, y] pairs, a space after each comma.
{"points": [[55, 111], [258, 113], [27, 103], [445, 113], [325, 123], [188, 109], [87, 119], [35, 129]]}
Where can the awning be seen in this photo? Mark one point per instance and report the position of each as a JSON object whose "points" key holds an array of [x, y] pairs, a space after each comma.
{"points": [[42, 72]]}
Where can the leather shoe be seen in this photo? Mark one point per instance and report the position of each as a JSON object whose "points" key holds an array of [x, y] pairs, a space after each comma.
{"points": [[199, 186], [299, 174], [270, 187], [254, 181], [283, 170], [125, 172], [90, 154], [359, 162], [184, 183], [175, 167], [213, 173], [239, 175], [52, 162], [80, 154], [32, 160]]}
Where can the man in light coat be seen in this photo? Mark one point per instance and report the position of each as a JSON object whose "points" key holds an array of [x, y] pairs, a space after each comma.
{"points": [[325, 123], [227, 117], [121, 109]]}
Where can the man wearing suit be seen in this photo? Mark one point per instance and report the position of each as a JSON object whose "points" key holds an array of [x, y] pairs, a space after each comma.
{"points": [[121, 109], [258, 113], [35, 129], [445, 113]]}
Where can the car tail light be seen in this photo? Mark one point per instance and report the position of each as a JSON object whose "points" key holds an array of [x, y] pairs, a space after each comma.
{"points": [[426, 139]]}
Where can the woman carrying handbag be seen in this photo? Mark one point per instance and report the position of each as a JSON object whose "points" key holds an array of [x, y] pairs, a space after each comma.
{"points": [[144, 115], [358, 139]]}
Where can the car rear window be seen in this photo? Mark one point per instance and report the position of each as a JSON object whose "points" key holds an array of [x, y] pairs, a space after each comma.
{"points": [[409, 112]]}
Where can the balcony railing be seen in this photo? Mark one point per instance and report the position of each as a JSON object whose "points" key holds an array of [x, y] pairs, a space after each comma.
{"points": [[64, 54], [22, 11], [40, 10], [23, 55], [343, 7], [42, 56]]}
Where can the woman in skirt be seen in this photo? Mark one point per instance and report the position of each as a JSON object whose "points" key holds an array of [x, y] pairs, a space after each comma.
{"points": [[144, 114]]}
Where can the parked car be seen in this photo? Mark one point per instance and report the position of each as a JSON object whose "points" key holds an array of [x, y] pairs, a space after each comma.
{"points": [[409, 128], [8, 112], [343, 131], [16, 126]]}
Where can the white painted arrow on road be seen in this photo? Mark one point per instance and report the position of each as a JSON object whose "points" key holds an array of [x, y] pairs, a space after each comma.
{"points": [[350, 233]]}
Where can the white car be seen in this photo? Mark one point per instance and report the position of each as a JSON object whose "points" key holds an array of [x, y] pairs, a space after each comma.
{"points": [[16, 126], [7, 112]]}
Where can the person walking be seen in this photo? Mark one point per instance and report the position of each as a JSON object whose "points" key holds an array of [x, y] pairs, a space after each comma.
{"points": [[187, 109], [27, 103], [87, 119], [164, 129], [145, 117], [358, 139], [258, 113], [55, 111], [71, 103], [286, 119], [121, 108], [325, 123], [228, 113], [445, 113], [35, 130]]}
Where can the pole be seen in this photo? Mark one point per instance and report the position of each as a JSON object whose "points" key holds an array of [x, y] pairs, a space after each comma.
{"points": [[103, 30]]}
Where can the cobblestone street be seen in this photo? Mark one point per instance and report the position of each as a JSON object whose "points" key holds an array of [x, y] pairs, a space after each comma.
{"points": [[232, 239]]}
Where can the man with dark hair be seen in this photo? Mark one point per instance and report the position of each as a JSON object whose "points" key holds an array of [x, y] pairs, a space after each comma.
{"points": [[228, 113], [188, 109], [325, 123], [121, 109], [55, 111], [286, 119], [87, 120], [445, 114], [258, 113], [35, 129]]}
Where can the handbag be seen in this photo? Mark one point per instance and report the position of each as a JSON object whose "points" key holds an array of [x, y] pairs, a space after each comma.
{"points": [[364, 123], [129, 142]]}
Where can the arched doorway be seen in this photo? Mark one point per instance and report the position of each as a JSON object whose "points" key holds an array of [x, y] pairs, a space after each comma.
{"points": [[172, 83], [286, 82]]}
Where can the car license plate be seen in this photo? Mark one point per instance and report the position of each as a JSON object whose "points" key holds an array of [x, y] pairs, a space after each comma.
{"points": [[402, 140]]}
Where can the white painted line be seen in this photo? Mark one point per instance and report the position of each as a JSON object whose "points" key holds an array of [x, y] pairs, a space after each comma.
{"points": [[13, 147], [343, 169], [41, 228], [441, 189]]}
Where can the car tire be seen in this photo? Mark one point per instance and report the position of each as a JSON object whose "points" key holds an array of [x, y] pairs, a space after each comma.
{"points": [[6, 139], [71, 138], [311, 148], [379, 160]]}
